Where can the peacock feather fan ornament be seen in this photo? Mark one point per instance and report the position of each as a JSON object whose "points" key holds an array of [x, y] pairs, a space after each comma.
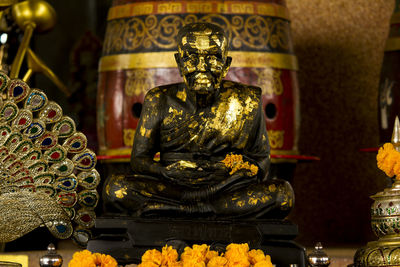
{"points": [[47, 174]]}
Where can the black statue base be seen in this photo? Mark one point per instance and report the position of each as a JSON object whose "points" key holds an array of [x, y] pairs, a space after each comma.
{"points": [[126, 239]]}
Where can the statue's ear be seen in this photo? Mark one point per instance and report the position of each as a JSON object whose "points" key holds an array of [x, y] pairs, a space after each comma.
{"points": [[179, 63], [227, 65]]}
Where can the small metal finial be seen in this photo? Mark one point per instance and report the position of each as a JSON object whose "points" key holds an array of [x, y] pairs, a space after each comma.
{"points": [[318, 258], [51, 249], [51, 259], [396, 134]]}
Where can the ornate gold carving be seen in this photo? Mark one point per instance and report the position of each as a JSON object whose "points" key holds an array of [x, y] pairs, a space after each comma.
{"points": [[259, 32], [138, 82], [169, 8], [276, 138], [272, 10], [222, 8], [143, 9], [199, 7], [254, 31], [129, 134], [130, 10], [269, 80], [230, 7], [243, 8]]}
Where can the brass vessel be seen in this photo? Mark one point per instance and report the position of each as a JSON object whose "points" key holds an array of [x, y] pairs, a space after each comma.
{"points": [[385, 213], [385, 223], [39, 13]]}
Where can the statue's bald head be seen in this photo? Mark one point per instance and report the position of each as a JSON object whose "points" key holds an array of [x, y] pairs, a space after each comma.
{"points": [[202, 56], [202, 36]]}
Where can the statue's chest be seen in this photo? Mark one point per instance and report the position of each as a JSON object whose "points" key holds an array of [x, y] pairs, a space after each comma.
{"points": [[222, 122]]}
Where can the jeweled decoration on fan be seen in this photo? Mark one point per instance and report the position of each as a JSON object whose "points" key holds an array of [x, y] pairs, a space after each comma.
{"points": [[43, 159]]}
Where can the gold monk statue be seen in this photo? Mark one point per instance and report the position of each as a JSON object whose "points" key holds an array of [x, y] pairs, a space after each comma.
{"points": [[212, 140]]}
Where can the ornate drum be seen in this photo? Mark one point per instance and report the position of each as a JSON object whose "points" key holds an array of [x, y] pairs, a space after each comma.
{"points": [[138, 55], [389, 87]]}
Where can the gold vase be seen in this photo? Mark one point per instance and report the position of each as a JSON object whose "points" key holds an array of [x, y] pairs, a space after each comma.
{"points": [[385, 222]]}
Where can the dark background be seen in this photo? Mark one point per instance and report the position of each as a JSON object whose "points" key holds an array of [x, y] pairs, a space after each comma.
{"points": [[340, 47]]}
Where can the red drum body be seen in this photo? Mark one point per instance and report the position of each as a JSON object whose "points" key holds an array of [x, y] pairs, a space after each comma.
{"points": [[139, 52]]}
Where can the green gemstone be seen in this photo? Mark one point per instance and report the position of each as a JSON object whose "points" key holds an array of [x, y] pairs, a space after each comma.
{"points": [[63, 168], [89, 179], [34, 130]]}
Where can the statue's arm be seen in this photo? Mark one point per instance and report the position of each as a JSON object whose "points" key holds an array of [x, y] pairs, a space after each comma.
{"points": [[257, 149], [146, 141]]}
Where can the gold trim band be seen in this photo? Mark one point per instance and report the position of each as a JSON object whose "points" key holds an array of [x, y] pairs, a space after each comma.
{"points": [[392, 44], [115, 152], [166, 60], [284, 152], [204, 7]]}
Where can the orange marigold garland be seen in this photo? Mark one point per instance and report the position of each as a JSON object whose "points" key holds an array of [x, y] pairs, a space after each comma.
{"points": [[388, 160], [85, 258], [236, 255], [235, 163]]}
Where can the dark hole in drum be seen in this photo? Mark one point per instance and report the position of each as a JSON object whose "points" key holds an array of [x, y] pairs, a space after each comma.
{"points": [[270, 110], [137, 109]]}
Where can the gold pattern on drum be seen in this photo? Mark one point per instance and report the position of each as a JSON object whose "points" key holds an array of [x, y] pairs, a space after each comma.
{"points": [[198, 6], [254, 31], [138, 81], [269, 80], [170, 8], [276, 138]]}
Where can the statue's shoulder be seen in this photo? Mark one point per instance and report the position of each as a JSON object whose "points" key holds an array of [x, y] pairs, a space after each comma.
{"points": [[162, 91], [244, 90]]}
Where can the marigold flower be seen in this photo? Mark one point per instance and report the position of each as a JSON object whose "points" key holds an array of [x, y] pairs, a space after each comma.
{"points": [[82, 259], [191, 262], [263, 264], [85, 262], [153, 256], [203, 249], [169, 256], [256, 256], [82, 254], [196, 253], [237, 255], [175, 264], [239, 263], [211, 254], [217, 261], [104, 260], [148, 264], [240, 248], [388, 160], [86, 259]]}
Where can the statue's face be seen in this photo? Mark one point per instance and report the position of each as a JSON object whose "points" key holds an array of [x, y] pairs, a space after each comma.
{"points": [[202, 61]]}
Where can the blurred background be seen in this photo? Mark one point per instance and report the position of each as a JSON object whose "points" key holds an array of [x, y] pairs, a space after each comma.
{"points": [[339, 45]]}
